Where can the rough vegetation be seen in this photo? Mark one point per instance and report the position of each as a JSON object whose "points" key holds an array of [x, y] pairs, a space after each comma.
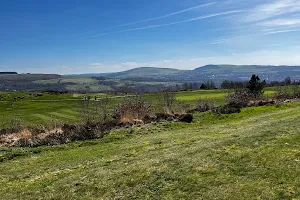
{"points": [[132, 109]]}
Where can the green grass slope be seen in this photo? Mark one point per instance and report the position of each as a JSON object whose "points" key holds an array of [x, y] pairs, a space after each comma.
{"points": [[38, 108], [35, 109], [145, 72], [251, 155]]}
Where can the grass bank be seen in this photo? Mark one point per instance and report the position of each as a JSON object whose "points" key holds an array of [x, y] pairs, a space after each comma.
{"points": [[249, 155]]}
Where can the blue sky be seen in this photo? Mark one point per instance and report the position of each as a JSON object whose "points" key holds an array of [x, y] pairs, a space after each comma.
{"points": [[95, 36]]}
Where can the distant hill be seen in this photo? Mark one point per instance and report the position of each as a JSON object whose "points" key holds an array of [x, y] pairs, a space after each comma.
{"points": [[217, 73], [25, 82], [243, 72], [145, 71], [144, 79], [77, 84], [140, 72]]}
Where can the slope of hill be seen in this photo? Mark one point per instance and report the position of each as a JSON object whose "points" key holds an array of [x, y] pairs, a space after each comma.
{"points": [[249, 155], [240, 72], [146, 71], [25, 82], [78, 84], [141, 72]]}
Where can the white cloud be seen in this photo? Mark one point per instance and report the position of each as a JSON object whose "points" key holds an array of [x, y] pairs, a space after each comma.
{"points": [[281, 31], [273, 9], [96, 64], [170, 24], [281, 22], [166, 15], [230, 39]]}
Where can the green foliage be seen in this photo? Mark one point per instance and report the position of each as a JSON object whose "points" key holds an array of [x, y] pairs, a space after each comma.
{"points": [[256, 86], [288, 81], [203, 87]]}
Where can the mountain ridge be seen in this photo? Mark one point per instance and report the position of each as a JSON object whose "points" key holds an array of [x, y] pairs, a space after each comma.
{"points": [[149, 79], [208, 72]]}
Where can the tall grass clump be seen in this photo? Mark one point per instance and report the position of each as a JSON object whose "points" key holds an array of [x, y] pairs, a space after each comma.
{"points": [[11, 126]]}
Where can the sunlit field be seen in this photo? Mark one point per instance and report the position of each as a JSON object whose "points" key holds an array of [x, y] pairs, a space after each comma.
{"points": [[45, 108], [248, 155]]}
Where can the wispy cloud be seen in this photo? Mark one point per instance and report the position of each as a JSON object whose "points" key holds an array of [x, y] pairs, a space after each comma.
{"points": [[225, 40], [166, 15], [281, 31], [281, 22], [273, 9], [96, 64], [169, 24], [221, 41]]}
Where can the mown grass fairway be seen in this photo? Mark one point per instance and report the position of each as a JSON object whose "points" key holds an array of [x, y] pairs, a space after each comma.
{"points": [[38, 112], [251, 155], [45, 108]]}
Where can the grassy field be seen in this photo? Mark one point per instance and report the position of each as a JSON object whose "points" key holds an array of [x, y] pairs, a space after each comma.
{"points": [[40, 108], [254, 154], [46, 108]]}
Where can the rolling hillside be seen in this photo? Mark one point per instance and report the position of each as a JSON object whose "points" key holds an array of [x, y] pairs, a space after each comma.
{"points": [[144, 79], [217, 73]]}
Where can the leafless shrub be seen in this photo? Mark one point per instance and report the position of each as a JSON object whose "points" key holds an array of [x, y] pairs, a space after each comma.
{"points": [[203, 105], [180, 108], [238, 99], [91, 112], [234, 102], [168, 99], [132, 108], [287, 92], [167, 103]]}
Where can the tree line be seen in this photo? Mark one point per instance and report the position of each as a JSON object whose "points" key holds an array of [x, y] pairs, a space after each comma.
{"points": [[228, 84]]}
